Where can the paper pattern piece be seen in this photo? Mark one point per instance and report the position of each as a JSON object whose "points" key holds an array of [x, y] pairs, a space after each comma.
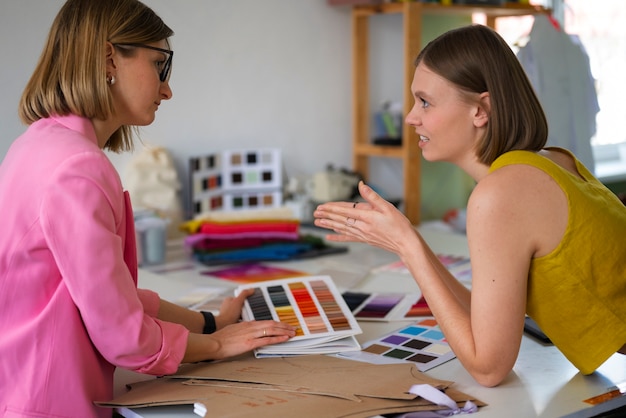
{"points": [[422, 343], [313, 305], [314, 386]]}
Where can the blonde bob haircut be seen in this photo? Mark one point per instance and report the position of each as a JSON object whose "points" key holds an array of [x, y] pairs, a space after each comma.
{"points": [[70, 77], [476, 59]]}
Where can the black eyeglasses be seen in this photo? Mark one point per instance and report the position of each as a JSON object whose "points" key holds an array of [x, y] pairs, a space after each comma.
{"points": [[167, 65]]}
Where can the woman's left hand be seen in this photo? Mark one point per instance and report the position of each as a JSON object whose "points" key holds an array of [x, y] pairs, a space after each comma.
{"points": [[230, 310], [375, 221]]}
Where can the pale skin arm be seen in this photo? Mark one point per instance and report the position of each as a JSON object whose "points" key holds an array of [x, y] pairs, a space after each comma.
{"points": [[231, 337], [484, 327]]}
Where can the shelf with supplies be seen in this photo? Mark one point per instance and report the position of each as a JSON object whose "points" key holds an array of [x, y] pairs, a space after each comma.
{"points": [[408, 152]]}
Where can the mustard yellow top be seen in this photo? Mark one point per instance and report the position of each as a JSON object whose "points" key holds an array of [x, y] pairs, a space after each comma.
{"points": [[577, 293]]}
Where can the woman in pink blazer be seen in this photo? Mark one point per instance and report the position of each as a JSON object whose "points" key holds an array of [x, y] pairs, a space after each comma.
{"points": [[70, 310]]}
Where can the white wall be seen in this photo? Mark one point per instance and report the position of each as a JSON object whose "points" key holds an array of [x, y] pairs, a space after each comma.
{"points": [[247, 73], [251, 74]]}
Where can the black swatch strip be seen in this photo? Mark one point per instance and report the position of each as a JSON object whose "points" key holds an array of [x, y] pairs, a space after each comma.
{"points": [[354, 299], [278, 296], [259, 307]]}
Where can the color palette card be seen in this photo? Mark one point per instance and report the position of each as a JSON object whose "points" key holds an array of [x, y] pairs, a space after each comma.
{"points": [[421, 343], [252, 169], [235, 180], [459, 265], [253, 272], [367, 306], [312, 304]]}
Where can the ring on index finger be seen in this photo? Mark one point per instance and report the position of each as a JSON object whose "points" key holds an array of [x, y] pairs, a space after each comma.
{"points": [[350, 221], [354, 205]]}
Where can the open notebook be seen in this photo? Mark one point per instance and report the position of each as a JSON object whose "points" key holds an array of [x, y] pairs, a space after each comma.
{"points": [[325, 324]]}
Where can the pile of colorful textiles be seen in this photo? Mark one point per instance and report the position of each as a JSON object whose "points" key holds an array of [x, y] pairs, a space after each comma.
{"points": [[251, 236]]}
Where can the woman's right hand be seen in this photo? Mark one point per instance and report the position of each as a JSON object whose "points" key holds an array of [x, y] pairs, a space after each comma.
{"points": [[236, 339]]}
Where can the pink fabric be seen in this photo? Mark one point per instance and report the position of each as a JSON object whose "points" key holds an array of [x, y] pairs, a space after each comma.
{"points": [[237, 240], [70, 311]]}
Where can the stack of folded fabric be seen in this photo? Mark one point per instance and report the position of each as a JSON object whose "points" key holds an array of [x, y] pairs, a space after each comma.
{"points": [[250, 236]]}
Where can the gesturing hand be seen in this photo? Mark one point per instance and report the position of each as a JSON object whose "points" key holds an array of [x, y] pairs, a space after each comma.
{"points": [[375, 221]]}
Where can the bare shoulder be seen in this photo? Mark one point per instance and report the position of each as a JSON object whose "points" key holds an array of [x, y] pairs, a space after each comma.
{"points": [[511, 186], [524, 201]]}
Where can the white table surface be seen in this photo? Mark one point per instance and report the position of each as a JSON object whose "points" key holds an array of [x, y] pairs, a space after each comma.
{"points": [[543, 382]]}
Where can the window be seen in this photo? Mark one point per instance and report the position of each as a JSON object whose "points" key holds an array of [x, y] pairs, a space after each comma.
{"points": [[600, 27]]}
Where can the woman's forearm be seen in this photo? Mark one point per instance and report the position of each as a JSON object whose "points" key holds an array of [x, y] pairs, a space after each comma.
{"points": [[192, 320]]}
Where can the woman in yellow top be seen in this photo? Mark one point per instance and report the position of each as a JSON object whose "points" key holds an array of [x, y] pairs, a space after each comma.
{"points": [[546, 238]]}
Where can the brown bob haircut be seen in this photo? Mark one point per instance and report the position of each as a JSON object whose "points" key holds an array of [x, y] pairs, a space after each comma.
{"points": [[70, 77], [476, 59]]}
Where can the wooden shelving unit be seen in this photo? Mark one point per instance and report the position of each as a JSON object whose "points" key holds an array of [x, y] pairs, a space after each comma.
{"points": [[408, 152]]}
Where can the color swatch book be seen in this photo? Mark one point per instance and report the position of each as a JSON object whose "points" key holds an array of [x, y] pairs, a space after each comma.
{"points": [[325, 324], [421, 343], [373, 306]]}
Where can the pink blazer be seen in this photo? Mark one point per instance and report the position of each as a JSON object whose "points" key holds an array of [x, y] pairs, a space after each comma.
{"points": [[70, 310]]}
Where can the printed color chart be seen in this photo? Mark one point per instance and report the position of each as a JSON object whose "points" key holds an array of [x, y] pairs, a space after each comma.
{"points": [[235, 179], [422, 343], [311, 304]]}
